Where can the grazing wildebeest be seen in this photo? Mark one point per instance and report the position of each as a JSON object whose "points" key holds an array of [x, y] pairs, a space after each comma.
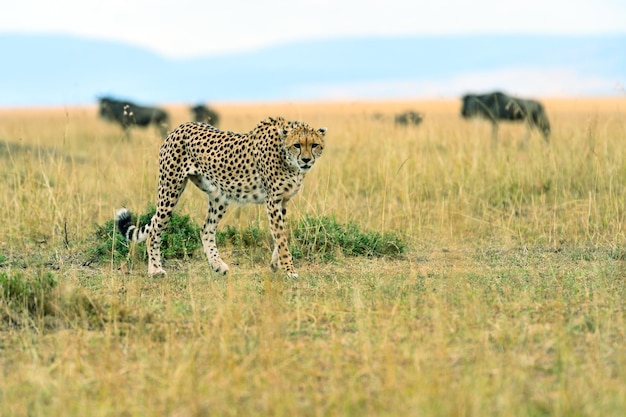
{"points": [[498, 106], [202, 113], [129, 114], [409, 117]]}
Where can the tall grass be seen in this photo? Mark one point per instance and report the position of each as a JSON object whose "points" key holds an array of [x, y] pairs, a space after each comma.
{"points": [[508, 301]]}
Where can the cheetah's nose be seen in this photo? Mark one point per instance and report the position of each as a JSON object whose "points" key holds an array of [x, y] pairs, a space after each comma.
{"points": [[306, 160]]}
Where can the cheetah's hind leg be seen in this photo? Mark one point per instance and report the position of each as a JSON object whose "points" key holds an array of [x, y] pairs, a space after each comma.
{"points": [[132, 233], [275, 263], [217, 209]]}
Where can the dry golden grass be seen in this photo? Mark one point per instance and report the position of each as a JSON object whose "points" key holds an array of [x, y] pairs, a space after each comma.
{"points": [[509, 301]]}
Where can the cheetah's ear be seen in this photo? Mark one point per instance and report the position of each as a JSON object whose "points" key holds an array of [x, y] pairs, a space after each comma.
{"points": [[283, 131], [322, 131]]}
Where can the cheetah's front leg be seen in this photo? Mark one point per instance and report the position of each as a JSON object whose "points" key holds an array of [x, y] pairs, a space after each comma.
{"points": [[276, 211]]}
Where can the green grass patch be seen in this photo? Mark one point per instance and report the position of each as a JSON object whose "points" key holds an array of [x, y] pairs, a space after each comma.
{"points": [[319, 238], [251, 236], [22, 294], [180, 239], [322, 238], [314, 238], [37, 299]]}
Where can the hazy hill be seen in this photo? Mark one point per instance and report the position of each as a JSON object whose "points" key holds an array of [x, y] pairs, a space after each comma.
{"points": [[51, 70]]}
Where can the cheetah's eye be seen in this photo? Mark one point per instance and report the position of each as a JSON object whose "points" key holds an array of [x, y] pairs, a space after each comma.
{"points": [[297, 145], [314, 145]]}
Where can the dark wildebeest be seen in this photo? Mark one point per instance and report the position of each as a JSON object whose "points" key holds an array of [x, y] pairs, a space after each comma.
{"points": [[129, 114], [202, 113], [409, 118], [498, 106]]}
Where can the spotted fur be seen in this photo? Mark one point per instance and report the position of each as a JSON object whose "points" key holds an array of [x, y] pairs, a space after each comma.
{"points": [[266, 165]]}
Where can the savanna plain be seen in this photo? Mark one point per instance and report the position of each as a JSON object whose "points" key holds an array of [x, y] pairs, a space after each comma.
{"points": [[507, 300]]}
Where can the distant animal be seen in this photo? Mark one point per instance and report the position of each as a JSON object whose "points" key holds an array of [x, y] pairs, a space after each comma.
{"points": [[129, 114], [498, 106], [204, 114], [409, 118], [266, 165]]}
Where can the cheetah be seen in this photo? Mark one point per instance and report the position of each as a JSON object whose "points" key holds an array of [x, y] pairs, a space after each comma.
{"points": [[266, 165]]}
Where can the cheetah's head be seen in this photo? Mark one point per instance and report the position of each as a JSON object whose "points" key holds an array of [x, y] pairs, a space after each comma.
{"points": [[303, 144]]}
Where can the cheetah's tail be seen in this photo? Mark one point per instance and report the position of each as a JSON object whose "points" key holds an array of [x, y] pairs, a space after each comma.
{"points": [[126, 227]]}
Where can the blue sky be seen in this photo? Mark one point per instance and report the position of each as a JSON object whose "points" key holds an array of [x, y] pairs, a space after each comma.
{"points": [[187, 28]]}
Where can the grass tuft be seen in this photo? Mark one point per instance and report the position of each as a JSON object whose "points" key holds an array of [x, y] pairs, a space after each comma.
{"points": [[321, 238], [38, 300], [29, 295], [249, 237], [180, 239]]}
